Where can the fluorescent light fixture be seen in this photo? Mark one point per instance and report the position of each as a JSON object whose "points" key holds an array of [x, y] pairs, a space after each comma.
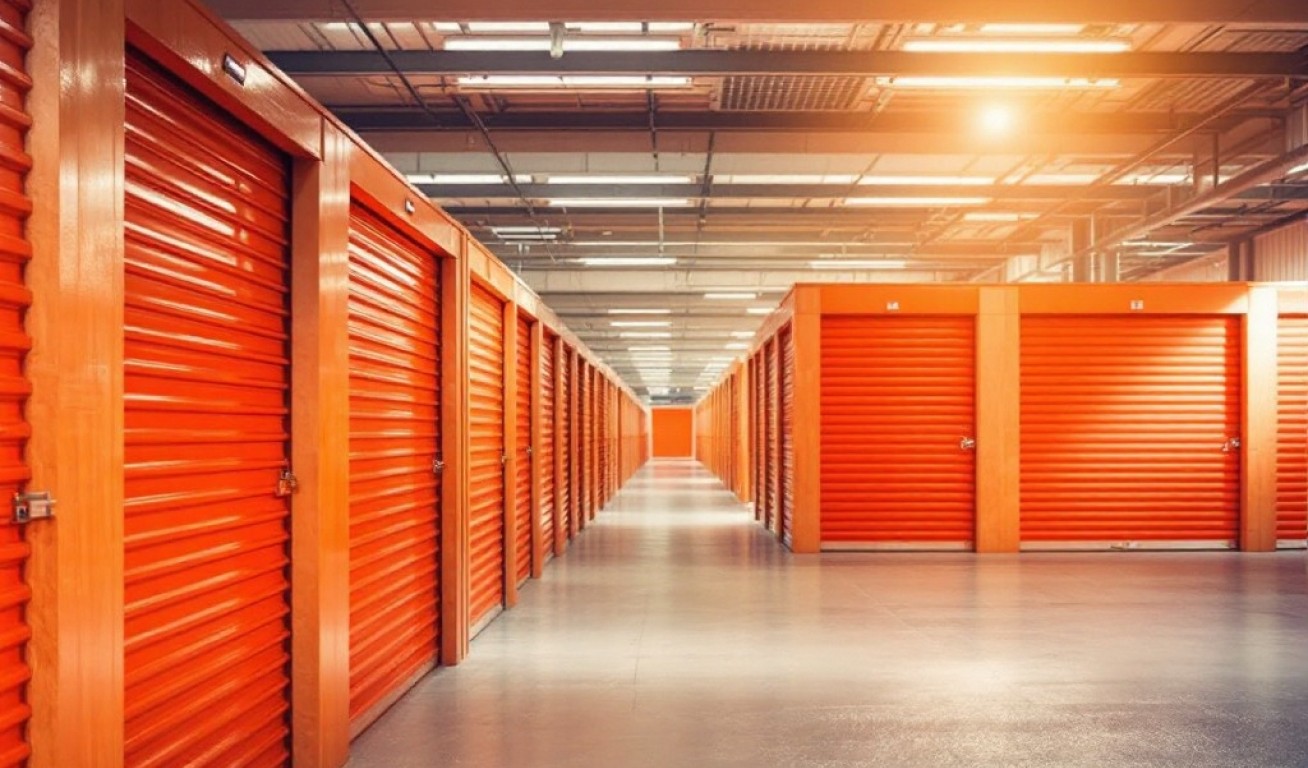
{"points": [[730, 296], [640, 324], [737, 345], [343, 26], [627, 261], [1061, 178], [743, 334], [644, 335], [653, 179], [701, 389], [649, 349], [964, 83], [858, 264], [1032, 29], [997, 216], [634, 44], [923, 202], [508, 27], [760, 310], [461, 178], [1297, 169], [785, 178], [572, 82], [926, 181], [640, 311], [620, 202], [1156, 244], [992, 45], [446, 26], [671, 26], [502, 231]]}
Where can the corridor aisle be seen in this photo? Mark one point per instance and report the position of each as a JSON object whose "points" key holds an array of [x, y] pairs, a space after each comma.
{"points": [[677, 633]]}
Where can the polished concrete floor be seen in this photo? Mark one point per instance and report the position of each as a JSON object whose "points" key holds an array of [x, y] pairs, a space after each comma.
{"points": [[675, 632]]}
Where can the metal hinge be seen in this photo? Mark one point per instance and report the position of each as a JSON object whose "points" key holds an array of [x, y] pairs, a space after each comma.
{"points": [[37, 505], [437, 466], [287, 483]]}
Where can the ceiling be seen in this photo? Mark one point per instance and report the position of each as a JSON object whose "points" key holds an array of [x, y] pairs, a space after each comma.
{"points": [[661, 176]]}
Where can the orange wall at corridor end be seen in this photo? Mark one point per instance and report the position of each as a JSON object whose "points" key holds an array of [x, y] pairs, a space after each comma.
{"points": [[673, 432]]}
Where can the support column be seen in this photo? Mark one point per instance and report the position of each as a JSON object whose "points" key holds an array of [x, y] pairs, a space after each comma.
{"points": [[1082, 263], [537, 529], [806, 335], [510, 465], [1258, 423], [455, 449], [998, 408]]}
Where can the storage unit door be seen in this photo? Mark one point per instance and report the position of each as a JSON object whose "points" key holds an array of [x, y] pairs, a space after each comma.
{"points": [[774, 440], [14, 300], [548, 429], [206, 393], [587, 429], [1292, 433], [525, 396], [1126, 423], [787, 436], [394, 320], [898, 400], [760, 439], [569, 462], [486, 454]]}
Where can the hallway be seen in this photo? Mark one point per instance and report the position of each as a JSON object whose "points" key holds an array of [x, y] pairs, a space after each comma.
{"points": [[676, 632]]}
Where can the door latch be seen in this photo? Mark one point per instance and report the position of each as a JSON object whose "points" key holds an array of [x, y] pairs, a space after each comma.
{"points": [[529, 450], [967, 444], [287, 483], [1231, 445], [437, 466], [32, 506]]}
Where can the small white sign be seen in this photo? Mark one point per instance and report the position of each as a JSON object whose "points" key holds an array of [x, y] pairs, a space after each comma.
{"points": [[892, 306], [1137, 305]]}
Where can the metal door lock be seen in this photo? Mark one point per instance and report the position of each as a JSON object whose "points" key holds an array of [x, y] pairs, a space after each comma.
{"points": [[529, 450], [1231, 445], [437, 466], [287, 483], [967, 444], [32, 506]]}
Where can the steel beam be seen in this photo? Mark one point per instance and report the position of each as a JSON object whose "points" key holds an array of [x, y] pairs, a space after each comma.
{"points": [[709, 63], [814, 11], [666, 281]]}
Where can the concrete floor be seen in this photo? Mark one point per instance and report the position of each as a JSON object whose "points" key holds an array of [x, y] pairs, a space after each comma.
{"points": [[677, 633]]}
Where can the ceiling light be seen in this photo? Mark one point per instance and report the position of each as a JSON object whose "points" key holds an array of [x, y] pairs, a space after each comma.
{"points": [[983, 45], [640, 311], [964, 83], [924, 202], [508, 27], [572, 82], [627, 261], [640, 324], [926, 181], [1060, 178], [644, 335], [997, 216], [620, 202], [502, 231], [525, 236], [724, 296], [343, 26], [619, 180], [635, 44], [1297, 169], [1032, 29], [996, 120], [858, 264], [461, 178], [792, 178], [737, 345], [1156, 244], [760, 310], [649, 349], [743, 334]]}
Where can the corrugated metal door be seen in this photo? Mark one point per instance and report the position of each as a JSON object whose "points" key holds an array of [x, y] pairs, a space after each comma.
{"points": [[774, 439], [14, 300], [567, 498], [1125, 429], [898, 399], [486, 456], [787, 435], [1292, 433], [760, 438], [525, 396], [548, 427], [585, 412], [394, 318], [206, 386]]}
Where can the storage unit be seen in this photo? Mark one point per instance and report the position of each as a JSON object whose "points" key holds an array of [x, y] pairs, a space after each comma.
{"points": [[487, 455], [673, 432], [550, 459], [568, 441], [1103, 416], [523, 497], [898, 397], [395, 466], [206, 392]]}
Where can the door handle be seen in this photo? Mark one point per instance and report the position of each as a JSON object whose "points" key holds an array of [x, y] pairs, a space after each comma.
{"points": [[1230, 445], [967, 444]]}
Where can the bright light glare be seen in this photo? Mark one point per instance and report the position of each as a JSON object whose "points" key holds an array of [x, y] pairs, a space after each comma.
{"points": [[619, 180], [997, 120], [975, 45], [926, 181], [924, 202], [619, 202], [964, 83], [760, 311], [1032, 29]]}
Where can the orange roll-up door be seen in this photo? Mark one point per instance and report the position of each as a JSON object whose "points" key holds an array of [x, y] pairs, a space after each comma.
{"points": [[548, 429], [567, 480], [14, 300], [206, 392], [525, 396], [1292, 433], [787, 435], [773, 508], [1125, 429], [898, 399], [394, 319], [486, 454], [760, 437], [585, 414]]}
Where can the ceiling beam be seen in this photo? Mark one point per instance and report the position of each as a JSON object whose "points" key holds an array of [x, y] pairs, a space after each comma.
{"points": [[786, 191], [753, 62], [664, 281], [813, 11]]}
